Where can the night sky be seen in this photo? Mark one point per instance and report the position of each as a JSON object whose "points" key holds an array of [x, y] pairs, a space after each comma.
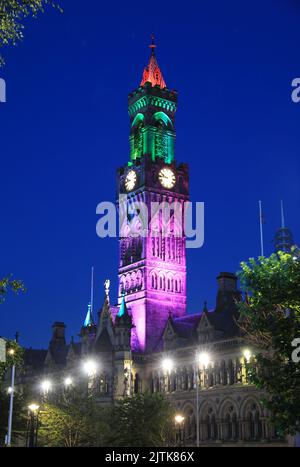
{"points": [[64, 132]]}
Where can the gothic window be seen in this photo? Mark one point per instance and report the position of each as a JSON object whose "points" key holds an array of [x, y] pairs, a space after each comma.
{"points": [[161, 141], [211, 425], [253, 422], [231, 426], [138, 141]]}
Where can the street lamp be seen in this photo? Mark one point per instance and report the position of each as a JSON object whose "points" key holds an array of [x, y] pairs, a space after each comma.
{"points": [[202, 359], [247, 354], [167, 365], [179, 419], [32, 428], [68, 381], [46, 386], [90, 367]]}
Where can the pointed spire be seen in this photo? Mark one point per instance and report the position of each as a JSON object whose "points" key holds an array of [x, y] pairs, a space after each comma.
{"points": [[123, 308], [89, 317], [205, 310], [282, 215], [152, 73]]}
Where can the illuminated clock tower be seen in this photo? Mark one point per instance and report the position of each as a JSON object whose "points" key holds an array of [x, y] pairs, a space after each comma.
{"points": [[152, 267]]}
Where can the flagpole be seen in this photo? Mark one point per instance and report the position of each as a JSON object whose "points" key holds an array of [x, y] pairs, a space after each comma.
{"points": [[261, 229], [92, 290]]}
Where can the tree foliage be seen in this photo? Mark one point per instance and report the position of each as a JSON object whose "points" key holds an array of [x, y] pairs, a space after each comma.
{"points": [[144, 420], [75, 421], [15, 358], [270, 318], [8, 283], [12, 15]]}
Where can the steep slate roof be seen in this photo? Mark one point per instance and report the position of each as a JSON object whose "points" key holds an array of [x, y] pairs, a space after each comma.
{"points": [[186, 325]]}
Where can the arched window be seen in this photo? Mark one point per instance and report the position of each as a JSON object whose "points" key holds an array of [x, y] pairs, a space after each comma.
{"points": [[253, 422], [231, 427]]}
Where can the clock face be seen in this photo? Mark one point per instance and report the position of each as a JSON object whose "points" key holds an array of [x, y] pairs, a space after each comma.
{"points": [[130, 180], [167, 177]]}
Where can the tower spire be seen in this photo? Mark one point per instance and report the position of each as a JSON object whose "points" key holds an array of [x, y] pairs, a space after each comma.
{"points": [[283, 238], [282, 215], [152, 73]]}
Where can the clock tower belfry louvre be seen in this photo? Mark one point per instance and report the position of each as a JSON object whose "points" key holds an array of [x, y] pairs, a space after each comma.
{"points": [[152, 267]]}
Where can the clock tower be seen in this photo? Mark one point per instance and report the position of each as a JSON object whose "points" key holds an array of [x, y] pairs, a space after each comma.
{"points": [[152, 262]]}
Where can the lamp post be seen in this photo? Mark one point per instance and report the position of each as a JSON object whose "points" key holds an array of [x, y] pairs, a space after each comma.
{"points": [[167, 365], [11, 352], [179, 420], [201, 359], [32, 429], [46, 386]]}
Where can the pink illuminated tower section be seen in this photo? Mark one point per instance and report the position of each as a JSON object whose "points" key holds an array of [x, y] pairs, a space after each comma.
{"points": [[152, 268]]}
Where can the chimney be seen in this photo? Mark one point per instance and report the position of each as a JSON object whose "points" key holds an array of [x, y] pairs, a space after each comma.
{"points": [[228, 293], [58, 333], [227, 282]]}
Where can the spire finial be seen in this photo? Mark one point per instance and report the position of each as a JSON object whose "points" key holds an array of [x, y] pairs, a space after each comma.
{"points": [[282, 215], [152, 45], [106, 288]]}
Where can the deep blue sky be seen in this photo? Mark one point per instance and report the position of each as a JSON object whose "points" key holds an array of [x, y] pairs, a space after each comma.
{"points": [[64, 131]]}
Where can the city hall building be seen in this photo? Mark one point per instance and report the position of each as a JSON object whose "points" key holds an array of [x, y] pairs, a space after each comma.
{"points": [[147, 341]]}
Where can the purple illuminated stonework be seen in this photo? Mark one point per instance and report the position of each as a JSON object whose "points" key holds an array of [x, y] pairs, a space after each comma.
{"points": [[152, 268]]}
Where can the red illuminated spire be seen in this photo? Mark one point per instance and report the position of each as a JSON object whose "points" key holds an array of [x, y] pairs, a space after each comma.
{"points": [[152, 71]]}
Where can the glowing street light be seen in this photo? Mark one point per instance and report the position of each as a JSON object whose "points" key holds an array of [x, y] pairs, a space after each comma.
{"points": [[204, 359], [9, 390], [178, 419], [33, 407], [247, 354], [33, 414], [46, 385], [167, 365], [11, 352], [68, 381], [90, 367]]}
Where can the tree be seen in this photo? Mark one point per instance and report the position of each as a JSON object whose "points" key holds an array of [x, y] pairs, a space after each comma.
{"points": [[14, 356], [19, 415], [270, 317], [12, 15], [144, 420], [8, 283], [73, 421]]}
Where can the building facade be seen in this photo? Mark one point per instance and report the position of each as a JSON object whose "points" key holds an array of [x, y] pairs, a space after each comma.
{"points": [[147, 341]]}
